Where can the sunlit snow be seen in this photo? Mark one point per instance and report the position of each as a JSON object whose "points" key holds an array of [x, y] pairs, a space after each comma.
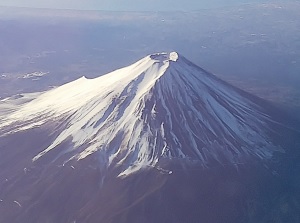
{"points": [[135, 115]]}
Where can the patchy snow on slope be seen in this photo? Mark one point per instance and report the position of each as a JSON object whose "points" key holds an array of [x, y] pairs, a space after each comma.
{"points": [[160, 106]]}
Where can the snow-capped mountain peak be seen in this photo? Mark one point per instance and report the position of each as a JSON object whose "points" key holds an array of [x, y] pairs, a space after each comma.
{"points": [[161, 107], [173, 56]]}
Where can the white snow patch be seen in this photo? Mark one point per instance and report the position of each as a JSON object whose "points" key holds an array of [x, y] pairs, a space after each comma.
{"points": [[173, 56], [18, 203]]}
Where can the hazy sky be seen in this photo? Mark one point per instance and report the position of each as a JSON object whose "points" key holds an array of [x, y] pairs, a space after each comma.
{"points": [[125, 4]]}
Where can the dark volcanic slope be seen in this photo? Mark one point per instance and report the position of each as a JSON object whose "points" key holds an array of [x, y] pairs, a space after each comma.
{"points": [[158, 141]]}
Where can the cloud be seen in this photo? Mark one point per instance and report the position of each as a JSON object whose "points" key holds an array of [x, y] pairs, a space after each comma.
{"points": [[124, 4]]}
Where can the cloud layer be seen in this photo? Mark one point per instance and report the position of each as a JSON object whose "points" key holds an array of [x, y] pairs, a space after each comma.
{"points": [[131, 5]]}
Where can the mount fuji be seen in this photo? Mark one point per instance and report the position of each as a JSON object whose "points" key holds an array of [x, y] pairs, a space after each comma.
{"points": [[159, 120]]}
